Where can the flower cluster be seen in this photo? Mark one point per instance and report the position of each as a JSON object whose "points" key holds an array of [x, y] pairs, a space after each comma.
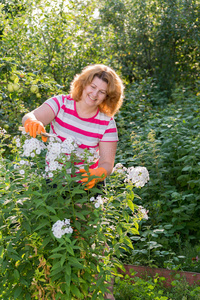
{"points": [[17, 141], [58, 153], [61, 227], [119, 168], [23, 163], [143, 212], [32, 147], [138, 175], [97, 202]]}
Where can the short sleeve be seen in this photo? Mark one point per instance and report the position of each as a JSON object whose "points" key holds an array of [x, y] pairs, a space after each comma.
{"points": [[55, 103], [110, 134]]}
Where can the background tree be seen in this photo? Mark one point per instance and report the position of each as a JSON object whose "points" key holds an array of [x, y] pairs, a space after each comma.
{"points": [[155, 39]]}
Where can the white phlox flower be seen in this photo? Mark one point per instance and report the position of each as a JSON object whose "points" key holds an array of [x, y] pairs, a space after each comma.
{"points": [[98, 201], [58, 150], [23, 163], [2, 131], [53, 165], [38, 151], [31, 145], [50, 174], [17, 141], [54, 148], [61, 227], [138, 175], [96, 205], [119, 168], [143, 211], [69, 145]]}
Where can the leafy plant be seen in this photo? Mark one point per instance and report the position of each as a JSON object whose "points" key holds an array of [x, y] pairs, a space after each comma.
{"points": [[56, 241], [153, 288]]}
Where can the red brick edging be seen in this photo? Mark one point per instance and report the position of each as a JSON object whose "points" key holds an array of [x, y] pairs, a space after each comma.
{"points": [[190, 277]]}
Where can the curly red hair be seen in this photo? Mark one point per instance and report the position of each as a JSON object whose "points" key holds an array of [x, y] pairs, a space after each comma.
{"points": [[114, 97]]}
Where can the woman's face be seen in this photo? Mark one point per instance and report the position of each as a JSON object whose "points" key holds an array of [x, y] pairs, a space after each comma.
{"points": [[95, 92]]}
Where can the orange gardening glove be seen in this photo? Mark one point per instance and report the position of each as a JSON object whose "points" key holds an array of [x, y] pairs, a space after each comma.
{"points": [[34, 127], [100, 172]]}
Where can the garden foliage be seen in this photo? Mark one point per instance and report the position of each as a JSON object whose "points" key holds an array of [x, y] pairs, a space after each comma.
{"points": [[57, 240], [167, 142], [154, 46]]}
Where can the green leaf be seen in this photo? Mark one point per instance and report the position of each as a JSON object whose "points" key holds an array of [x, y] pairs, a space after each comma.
{"points": [[26, 226], [42, 224], [40, 212], [133, 231], [17, 292], [1, 251], [80, 216], [46, 241], [56, 271], [16, 274], [70, 250], [75, 291], [68, 275], [187, 168], [68, 270], [56, 265], [15, 257], [75, 262], [63, 259], [130, 205], [126, 216], [56, 255], [128, 242], [51, 209], [78, 191]]}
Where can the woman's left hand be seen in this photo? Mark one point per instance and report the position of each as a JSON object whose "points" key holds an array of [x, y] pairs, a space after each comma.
{"points": [[100, 172]]}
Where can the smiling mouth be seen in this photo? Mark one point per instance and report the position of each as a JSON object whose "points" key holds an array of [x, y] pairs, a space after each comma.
{"points": [[93, 99]]}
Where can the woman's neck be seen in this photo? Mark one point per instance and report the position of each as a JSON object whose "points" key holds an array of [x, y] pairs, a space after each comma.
{"points": [[85, 112]]}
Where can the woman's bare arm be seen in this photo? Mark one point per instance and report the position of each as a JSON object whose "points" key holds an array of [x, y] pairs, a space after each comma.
{"points": [[107, 152], [43, 114]]}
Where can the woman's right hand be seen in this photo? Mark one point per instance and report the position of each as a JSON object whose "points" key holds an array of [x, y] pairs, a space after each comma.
{"points": [[34, 127]]}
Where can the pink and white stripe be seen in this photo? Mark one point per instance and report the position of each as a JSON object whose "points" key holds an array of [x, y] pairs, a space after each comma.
{"points": [[88, 132]]}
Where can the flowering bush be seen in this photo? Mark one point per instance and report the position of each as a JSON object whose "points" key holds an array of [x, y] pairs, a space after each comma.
{"points": [[59, 241]]}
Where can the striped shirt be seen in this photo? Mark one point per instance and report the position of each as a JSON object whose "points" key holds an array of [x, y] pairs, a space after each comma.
{"points": [[88, 132]]}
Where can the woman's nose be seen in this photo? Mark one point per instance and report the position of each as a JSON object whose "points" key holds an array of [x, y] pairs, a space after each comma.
{"points": [[95, 93]]}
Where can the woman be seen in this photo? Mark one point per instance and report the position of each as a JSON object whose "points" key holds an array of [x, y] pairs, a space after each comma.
{"points": [[86, 114]]}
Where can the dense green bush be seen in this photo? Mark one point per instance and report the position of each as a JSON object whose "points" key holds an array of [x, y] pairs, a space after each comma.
{"points": [[167, 142]]}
